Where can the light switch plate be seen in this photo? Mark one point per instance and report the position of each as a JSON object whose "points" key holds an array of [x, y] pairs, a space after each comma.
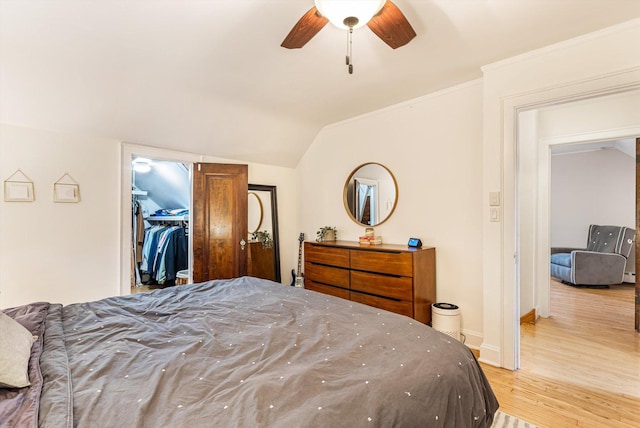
{"points": [[494, 199], [494, 214]]}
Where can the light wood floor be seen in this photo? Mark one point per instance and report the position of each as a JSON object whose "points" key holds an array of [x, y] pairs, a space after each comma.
{"points": [[581, 366], [144, 288]]}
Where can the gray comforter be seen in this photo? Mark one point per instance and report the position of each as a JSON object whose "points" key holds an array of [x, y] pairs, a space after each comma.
{"points": [[252, 353]]}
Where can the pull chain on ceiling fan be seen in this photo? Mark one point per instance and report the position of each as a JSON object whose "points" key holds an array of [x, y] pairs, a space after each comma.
{"points": [[351, 22], [382, 17]]}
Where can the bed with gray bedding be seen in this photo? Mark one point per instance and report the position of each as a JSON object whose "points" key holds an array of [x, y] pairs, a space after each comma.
{"points": [[251, 353]]}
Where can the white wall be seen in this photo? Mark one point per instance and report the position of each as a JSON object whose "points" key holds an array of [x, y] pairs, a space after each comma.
{"points": [[596, 187], [527, 206], [583, 119], [72, 252], [432, 145], [59, 252], [592, 187]]}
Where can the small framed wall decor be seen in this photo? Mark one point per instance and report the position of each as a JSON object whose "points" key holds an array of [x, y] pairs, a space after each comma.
{"points": [[18, 188], [66, 190]]}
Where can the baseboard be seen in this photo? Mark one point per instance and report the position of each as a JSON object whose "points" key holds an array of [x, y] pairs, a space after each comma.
{"points": [[530, 317], [484, 353], [475, 352], [490, 355], [472, 339]]}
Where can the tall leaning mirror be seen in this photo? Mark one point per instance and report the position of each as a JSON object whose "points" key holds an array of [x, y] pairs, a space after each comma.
{"points": [[264, 247], [370, 194]]}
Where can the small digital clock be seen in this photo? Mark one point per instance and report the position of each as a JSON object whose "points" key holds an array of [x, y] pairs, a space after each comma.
{"points": [[415, 243]]}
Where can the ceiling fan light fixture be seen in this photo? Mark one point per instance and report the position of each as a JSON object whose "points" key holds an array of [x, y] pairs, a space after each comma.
{"points": [[338, 12]]}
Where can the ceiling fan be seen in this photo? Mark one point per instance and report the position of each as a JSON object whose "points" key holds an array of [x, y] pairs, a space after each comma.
{"points": [[382, 16]]}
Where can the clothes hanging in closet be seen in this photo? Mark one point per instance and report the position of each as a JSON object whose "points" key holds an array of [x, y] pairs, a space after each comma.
{"points": [[164, 253], [138, 231]]}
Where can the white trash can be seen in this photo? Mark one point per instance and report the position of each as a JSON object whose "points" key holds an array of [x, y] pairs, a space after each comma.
{"points": [[182, 277], [445, 317]]}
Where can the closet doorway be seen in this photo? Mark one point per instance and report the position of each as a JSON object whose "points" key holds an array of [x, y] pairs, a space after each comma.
{"points": [[234, 202], [161, 200]]}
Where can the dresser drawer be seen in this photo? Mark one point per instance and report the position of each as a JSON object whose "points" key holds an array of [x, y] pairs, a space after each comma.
{"points": [[395, 287], [386, 276], [326, 256], [394, 263], [327, 275], [399, 307], [326, 289]]}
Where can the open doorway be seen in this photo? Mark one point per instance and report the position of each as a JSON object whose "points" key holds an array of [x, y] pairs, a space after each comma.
{"points": [[582, 122], [128, 153], [161, 198], [593, 184], [588, 339]]}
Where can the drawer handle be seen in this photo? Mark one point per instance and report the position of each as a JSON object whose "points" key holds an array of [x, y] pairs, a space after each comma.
{"points": [[378, 251], [329, 285], [388, 275], [328, 265], [393, 299]]}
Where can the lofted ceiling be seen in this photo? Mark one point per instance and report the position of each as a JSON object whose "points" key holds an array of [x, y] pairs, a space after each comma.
{"points": [[210, 77]]}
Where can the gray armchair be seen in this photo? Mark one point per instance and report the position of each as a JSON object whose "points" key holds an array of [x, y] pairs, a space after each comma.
{"points": [[602, 263]]}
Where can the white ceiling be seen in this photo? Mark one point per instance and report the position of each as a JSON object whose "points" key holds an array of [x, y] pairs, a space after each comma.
{"points": [[209, 76]]}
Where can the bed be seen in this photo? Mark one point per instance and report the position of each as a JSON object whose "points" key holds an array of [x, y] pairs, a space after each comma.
{"points": [[244, 352]]}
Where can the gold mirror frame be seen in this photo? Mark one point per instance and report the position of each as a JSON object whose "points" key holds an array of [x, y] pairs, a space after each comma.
{"points": [[349, 193], [258, 214]]}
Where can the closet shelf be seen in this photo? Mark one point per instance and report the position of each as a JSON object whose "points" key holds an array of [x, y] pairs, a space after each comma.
{"points": [[167, 218]]}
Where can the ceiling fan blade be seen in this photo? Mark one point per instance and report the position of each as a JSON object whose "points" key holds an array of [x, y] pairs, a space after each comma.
{"points": [[304, 30], [392, 26]]}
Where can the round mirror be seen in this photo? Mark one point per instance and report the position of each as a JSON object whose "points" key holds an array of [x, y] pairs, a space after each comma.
{"points": [[254, 210], [370, 194]]}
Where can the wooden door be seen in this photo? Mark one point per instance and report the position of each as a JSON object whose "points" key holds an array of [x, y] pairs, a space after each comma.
{"points": [[637, 244], [219, 229]]}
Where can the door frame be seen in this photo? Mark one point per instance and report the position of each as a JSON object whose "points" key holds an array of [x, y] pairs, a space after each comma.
{"points": [[127, 151], [636, 325], [509, 287]]}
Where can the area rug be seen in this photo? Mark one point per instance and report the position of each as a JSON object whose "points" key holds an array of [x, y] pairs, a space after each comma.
{"points": [[503, 420]]}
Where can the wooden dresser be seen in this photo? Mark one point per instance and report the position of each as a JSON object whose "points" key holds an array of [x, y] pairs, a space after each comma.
{"points": [[392, 277]]}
